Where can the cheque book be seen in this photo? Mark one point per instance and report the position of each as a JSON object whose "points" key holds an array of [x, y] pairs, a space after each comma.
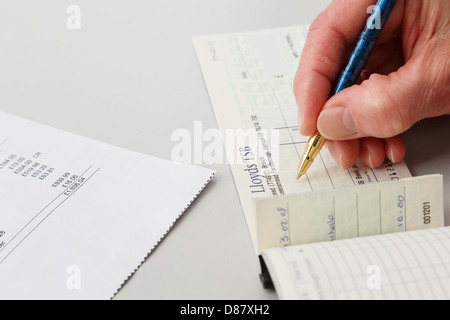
{"points": [[78, 217], [380, 241], [249, 77]]}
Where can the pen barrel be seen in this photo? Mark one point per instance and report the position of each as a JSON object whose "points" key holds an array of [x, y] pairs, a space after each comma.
{"points": [[364, 45]]}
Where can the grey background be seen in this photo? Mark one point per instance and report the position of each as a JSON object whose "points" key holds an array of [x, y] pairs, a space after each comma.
{"points": [[130, 77]]}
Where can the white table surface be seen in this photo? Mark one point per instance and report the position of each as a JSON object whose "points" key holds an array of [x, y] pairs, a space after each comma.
{"points": [[130, 77]]}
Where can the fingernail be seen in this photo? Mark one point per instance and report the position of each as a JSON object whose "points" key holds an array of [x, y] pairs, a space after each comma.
{"points": [[370, 160], [392, 155], [336, 123]]}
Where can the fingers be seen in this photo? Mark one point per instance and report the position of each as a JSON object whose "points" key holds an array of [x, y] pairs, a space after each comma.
{"points": [[345, 153], [407, 80], [330, 38], [394, 149], [371, 151], [382, 107]]}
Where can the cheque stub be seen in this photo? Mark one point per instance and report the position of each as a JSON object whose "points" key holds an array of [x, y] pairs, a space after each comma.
{"points": [[335, 214]]}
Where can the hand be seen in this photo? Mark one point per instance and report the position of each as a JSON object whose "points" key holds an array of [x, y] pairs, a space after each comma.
{"points": [[406, 79]]}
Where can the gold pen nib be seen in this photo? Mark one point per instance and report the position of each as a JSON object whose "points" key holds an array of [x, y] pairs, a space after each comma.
{"points": [[313, 147]]}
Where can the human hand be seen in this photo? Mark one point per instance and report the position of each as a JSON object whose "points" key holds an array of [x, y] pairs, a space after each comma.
{"points": [[406, 79]]}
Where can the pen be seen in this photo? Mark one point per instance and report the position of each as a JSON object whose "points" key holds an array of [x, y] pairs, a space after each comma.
{"points": [[349, 76]]}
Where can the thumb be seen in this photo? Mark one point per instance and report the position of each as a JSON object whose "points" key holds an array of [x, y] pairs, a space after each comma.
{"points": [[381, 107]]}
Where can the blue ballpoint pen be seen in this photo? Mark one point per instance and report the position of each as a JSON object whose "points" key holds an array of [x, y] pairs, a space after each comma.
{"points": [[350, 75]]}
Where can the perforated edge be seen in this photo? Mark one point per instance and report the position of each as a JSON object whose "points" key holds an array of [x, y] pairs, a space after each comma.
{"points": [[163, 236]]}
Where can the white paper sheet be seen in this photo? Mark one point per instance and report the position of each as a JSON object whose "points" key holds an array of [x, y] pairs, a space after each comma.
{"points": [[78, 217]]}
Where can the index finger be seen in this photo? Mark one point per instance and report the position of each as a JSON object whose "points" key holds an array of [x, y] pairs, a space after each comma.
{"points": [[330, 38]]}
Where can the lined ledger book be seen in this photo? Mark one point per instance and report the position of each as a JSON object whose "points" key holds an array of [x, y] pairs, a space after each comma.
{"points": [[409, 265]]}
